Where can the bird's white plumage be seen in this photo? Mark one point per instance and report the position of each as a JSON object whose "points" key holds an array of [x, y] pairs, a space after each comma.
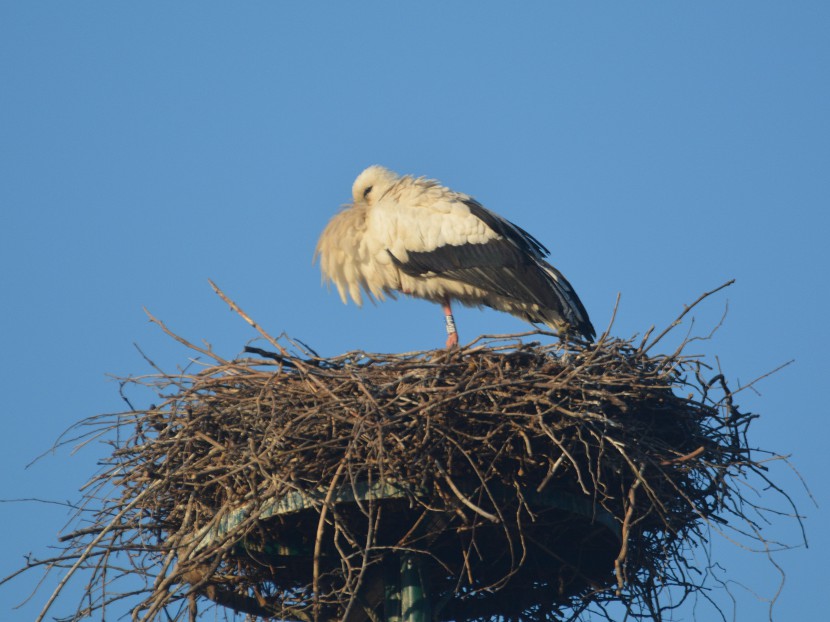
{"points": [[413, 235]]}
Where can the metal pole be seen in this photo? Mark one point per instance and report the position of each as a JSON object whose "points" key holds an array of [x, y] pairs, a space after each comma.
{"points": [[415, 606]]}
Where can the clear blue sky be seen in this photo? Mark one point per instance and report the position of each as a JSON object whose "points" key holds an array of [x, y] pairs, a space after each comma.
{"points": [[658, 149]]}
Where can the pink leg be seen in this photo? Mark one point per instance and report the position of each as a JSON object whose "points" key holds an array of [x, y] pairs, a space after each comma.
{"points": [[452, 333]]}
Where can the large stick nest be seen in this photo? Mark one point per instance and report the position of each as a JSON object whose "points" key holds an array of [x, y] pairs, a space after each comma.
{"points": [[530, 481]]}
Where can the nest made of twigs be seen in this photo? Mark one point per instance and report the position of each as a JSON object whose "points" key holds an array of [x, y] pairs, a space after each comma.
{"points": [[531, 480]]}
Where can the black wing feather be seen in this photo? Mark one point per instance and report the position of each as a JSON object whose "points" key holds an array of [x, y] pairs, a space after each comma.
{"points": [[496, 266], [518, 236]]}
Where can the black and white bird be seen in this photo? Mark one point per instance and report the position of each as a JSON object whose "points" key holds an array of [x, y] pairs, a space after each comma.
{"points": [[415, 236]]}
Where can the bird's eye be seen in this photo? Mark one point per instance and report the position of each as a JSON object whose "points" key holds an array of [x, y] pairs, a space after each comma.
{"points": [[367, 191]]}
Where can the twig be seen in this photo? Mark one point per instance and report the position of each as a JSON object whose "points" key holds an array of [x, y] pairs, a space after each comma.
{"points": [[686, 310]]}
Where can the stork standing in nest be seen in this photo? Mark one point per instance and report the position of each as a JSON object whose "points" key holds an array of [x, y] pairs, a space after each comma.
{"points": [[415, 236]]}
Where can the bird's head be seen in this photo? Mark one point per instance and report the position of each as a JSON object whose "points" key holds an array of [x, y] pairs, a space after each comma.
{"points": [[372, 183]]}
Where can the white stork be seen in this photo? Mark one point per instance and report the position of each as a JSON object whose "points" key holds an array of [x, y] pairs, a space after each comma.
{"points": [[413, 235]]}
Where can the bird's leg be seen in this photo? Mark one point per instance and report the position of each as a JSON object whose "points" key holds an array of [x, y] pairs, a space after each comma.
{"points": [[452, 333]]}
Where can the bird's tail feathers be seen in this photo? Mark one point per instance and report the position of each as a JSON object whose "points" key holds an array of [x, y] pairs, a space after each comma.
{"points": [[573, 310]]}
